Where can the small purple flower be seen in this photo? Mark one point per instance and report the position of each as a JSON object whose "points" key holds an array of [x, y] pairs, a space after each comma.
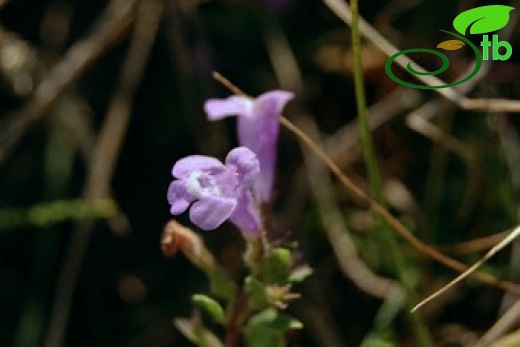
{"points": [[258, 129], [215, 191]]}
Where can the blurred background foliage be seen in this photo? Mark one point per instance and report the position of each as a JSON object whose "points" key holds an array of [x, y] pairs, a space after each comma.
{"points": [[127, 293]]}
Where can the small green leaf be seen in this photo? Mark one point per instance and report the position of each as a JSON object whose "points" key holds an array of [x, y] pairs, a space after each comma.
{"points": [[299, 274], [211, 306], [483, 19], [284, 323], [259, 334], [263, 337], [272, 319], [374, 341], [221, 284], [264, 318], [451, 45], [267, 328], [277, 265], [257, 295], [193, 330]]}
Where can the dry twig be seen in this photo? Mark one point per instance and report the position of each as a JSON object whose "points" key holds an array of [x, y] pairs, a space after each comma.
{"points": [[497, 248]]}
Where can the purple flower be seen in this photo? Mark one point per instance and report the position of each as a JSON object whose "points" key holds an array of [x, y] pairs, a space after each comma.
{"points": [[215, 191], [258, 129]]}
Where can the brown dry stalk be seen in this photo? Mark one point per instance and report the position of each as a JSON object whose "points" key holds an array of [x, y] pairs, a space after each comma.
{"points": [[497, 248]]}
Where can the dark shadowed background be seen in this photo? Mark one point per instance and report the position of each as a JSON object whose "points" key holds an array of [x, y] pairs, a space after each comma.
{"points": [[149, 67]]}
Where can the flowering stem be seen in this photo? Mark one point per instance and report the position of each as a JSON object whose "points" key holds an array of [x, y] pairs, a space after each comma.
{"points": [[417, 323], [239, 310], [369, 203]]}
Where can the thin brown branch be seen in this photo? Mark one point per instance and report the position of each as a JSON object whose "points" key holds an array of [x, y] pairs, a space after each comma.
{"points": [[497, 248], [475, 245], [394, 223], [350, 264], [104, 159]]}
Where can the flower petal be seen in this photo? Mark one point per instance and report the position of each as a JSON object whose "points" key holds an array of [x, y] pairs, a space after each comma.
{"points": [[260, 134], [227, 183], [178, 197], [272, 103], [210, 212], [246, 163], [246, 216], [234, 105], [187, 165]]}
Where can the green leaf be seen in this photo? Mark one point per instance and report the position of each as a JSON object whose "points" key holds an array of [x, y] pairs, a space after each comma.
{"points": [[374, 341], [272, 319], [284, 323], [259, 334], [277, 265], [483, 19], [267, 329], [257, 295], [263, 337], [221, 284], [211, 306], [299, 274], [193, 330]]}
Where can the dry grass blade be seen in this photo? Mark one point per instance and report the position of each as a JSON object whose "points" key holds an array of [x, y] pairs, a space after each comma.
{"points": [[476, 245], [507, 240], [494, 337]]}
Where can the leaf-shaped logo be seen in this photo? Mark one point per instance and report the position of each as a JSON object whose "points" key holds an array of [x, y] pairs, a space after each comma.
{"points": [[483, 19], [451, 45]]}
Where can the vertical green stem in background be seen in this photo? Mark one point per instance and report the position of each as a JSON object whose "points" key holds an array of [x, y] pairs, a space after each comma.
{"points": [[435, 182], [420, 330]]}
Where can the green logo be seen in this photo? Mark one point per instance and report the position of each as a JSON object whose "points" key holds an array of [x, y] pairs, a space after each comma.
{"points": [[479, 20]]}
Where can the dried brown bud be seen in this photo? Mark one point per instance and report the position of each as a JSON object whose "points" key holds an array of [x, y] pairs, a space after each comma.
{"points": [[177, 237]]}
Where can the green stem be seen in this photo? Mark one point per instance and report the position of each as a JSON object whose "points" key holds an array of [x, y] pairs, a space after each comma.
{"points": [[238, 310], [420, 330]]}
